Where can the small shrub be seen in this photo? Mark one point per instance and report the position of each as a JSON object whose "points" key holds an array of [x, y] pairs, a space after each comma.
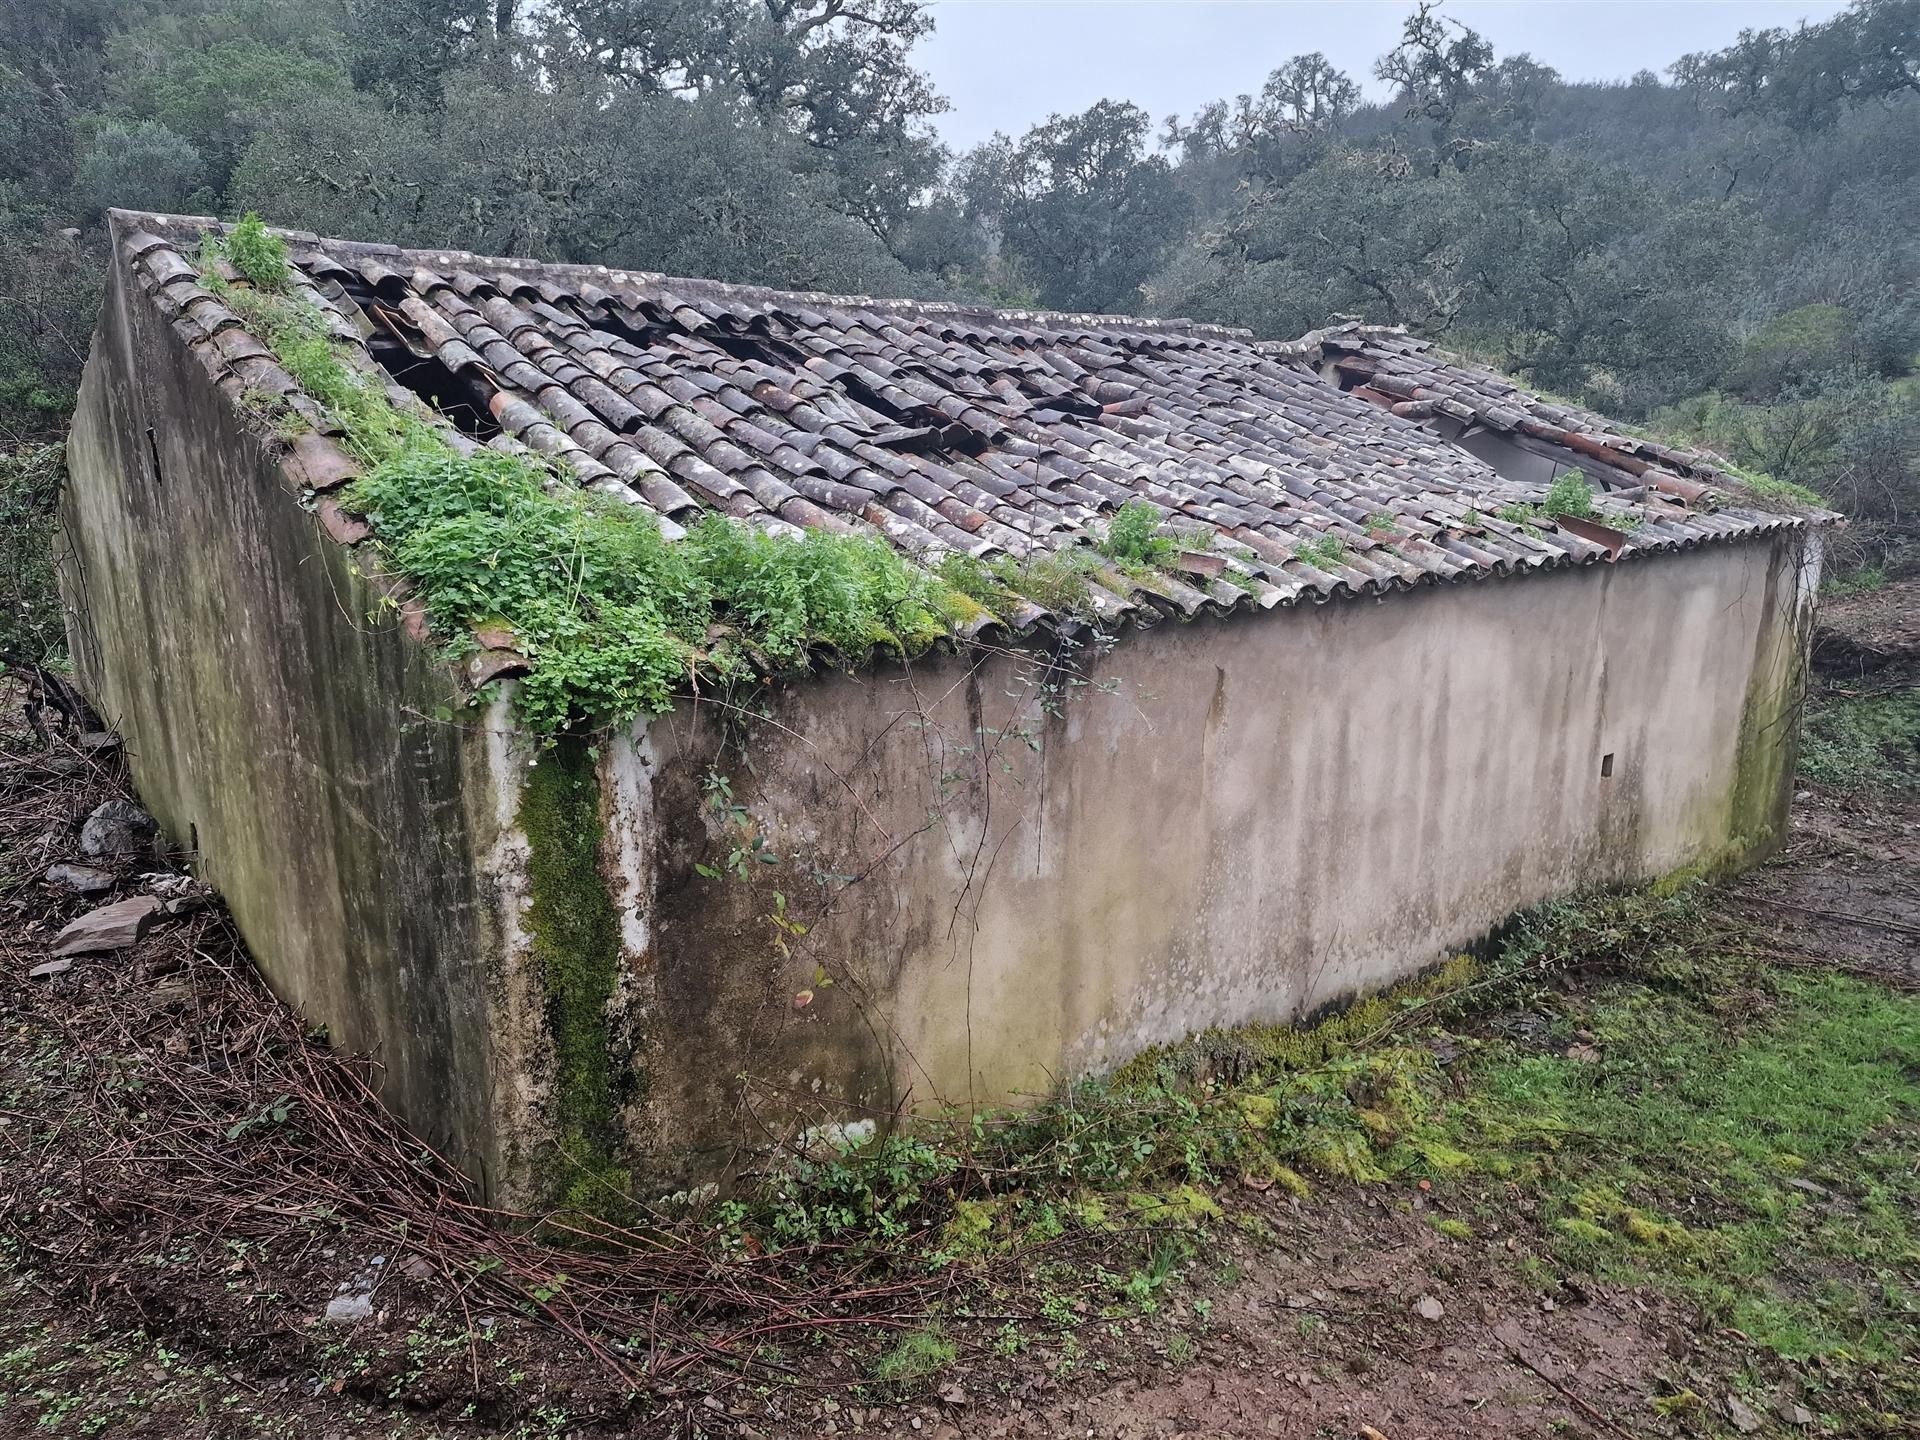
{"points": [[259, 254], [1570, 495], [32, 627], [1133, 536]]}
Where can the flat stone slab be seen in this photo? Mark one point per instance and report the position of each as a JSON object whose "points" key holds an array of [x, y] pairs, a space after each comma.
{"points": [[111, 927], [82, 878]]}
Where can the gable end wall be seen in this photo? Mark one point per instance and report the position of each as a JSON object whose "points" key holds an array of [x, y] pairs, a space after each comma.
{"points": [[278, 719]]}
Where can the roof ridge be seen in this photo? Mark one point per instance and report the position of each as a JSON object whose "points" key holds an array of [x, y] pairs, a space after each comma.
{"points": [[160, 223]]}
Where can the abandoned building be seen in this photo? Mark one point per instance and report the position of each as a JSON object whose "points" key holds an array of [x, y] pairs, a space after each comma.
{"points": [[1383, 696]]}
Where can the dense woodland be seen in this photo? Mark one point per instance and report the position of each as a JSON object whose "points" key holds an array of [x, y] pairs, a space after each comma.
{"points": [[1723, 248]]}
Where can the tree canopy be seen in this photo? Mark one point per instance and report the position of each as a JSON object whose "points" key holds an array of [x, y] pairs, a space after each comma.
{"points": [[1733, 238]]}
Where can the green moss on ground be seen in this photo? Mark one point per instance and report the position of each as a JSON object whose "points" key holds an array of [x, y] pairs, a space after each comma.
{"points": [[1755, 1155]]}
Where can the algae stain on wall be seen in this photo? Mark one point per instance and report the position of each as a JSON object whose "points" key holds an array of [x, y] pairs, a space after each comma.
{"points": [[1768, 745], [575, 935]]}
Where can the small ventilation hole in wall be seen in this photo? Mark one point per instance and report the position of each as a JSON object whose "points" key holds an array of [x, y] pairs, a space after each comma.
{"points": [[1606, 765]]}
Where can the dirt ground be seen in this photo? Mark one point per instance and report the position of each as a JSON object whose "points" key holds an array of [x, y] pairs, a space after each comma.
{"points": [[133, 1303]]}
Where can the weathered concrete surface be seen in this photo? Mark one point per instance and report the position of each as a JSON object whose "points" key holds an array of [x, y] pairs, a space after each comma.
{"points": [[279, 723], [1215, 823]]}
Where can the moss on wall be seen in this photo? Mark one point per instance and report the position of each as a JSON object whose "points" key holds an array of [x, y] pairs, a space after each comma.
{"points": [[1767, 747], [575, 932]]}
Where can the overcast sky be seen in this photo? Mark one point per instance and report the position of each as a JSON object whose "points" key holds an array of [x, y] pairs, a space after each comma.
{"points": [[1008, 64]]}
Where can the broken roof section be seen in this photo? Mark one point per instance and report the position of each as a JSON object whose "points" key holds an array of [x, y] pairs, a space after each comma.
{"points": [[947, 428]]}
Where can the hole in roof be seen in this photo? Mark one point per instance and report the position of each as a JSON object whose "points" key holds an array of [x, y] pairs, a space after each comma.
{"points": [[460, 397]]}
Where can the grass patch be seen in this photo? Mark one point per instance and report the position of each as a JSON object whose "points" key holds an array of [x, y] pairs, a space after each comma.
{"points": [[1321, 552], [1765, 487], [917, 1358], [1744, 1140], [1863, 742], [1527, 517], [1866, 580], [1762, 1168]]}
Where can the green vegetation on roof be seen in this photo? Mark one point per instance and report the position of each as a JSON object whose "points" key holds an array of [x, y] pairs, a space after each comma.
{"points": [[614, 618]]}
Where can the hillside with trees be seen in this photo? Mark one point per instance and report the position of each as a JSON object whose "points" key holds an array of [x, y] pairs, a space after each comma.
{"points": [[1722, 247]]}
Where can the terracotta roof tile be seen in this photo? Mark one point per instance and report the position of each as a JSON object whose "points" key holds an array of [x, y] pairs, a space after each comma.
{"points": [[945, 428]]}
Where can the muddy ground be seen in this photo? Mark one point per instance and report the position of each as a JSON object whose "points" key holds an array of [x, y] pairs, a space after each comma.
{"points": [[143, 1294]]}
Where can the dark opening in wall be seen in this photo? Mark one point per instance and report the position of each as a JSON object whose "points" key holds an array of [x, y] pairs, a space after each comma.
{"points": [[1606, 765]]}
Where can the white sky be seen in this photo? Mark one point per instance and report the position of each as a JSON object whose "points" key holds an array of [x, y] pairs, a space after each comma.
{"points": [[1008, 64]]}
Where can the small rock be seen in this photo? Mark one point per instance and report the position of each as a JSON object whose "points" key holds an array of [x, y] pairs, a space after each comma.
{"points": [[49, 969], [100, 742], [348, 1309], [1743, 1416], [1428, 1308], [111, 927], [174, 990], [1795, 1414], [82, 879], [1445, 1049], [1585, 1054], [117, 827]]}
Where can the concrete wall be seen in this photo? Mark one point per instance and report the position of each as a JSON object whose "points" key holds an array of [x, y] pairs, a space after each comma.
{"points": [[280, 729], [1213, 823]]}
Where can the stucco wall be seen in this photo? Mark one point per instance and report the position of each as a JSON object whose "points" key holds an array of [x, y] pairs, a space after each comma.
{"points": [[1213, 823], [279, 726]]}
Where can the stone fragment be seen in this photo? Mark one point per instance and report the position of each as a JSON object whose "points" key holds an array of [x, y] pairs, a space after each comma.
{"points": [[111, 927], [82, 879], [1795, 1414], [347, 1309], [48, 969], [1428, 1308], [1743, 1416], [117, 827]]}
